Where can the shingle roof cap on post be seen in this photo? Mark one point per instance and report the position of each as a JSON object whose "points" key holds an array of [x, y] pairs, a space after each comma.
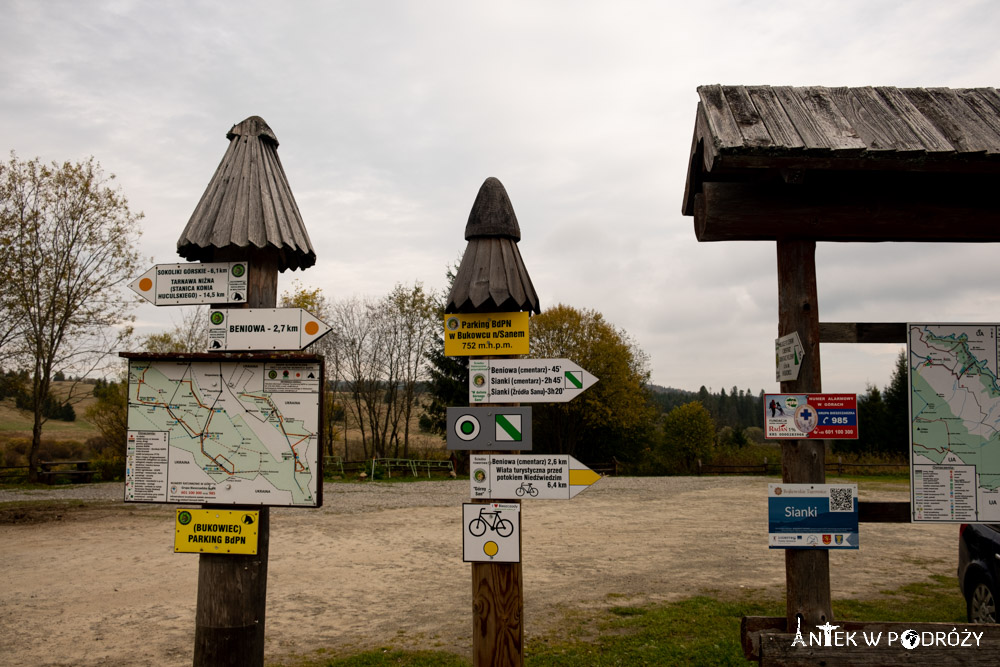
{"points": [[248, 204], [492, 277]]}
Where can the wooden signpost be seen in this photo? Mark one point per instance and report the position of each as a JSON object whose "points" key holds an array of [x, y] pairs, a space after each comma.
{"points": [[492, 279]]}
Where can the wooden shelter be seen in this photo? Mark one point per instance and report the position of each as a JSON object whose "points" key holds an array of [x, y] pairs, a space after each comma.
{"points": [[492, 277], [248, 206], [798, 165], [844, 164]]}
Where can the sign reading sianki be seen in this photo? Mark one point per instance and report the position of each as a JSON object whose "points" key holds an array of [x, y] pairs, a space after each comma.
{"points": [[526, 380], [263, 329], [485, 333], [193, 284]]}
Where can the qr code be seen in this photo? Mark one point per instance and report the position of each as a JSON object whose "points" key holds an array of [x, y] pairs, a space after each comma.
{"points": [[841, 499]]}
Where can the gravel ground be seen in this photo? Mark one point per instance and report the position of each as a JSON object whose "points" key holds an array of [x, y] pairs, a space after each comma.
{"points": [[380, 565]]}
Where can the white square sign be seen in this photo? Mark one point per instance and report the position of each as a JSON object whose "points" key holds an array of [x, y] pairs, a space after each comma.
{"points": [[491, 532]]}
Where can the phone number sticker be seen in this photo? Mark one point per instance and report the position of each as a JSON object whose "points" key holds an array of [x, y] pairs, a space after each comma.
{"points": [[811, 416]]}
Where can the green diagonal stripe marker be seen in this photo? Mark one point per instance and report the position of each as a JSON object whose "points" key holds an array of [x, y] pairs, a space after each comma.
{"points": [[511, 430], [574, 380]]}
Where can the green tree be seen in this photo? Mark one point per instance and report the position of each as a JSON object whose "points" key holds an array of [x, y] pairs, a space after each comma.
{"points": [[68, 241], [897, 408], [613, 418], [688, 436], [188, 335], [448, 377]]}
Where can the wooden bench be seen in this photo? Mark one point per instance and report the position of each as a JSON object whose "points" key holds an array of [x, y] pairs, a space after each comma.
{"points": [[80, 472]]}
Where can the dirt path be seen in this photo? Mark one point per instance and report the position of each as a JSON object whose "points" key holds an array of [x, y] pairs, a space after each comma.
{"points": [[381, 565]]}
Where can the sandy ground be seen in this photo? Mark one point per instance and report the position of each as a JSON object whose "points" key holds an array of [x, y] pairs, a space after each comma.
{"points": [[381, 565]]}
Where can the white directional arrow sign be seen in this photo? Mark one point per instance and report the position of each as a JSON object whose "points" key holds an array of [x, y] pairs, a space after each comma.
{"points": [[541, 476], [526, 380], [193, 284], [263, 329]]}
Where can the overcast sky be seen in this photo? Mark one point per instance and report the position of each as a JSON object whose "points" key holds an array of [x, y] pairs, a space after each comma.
{"points": [[392, 114]]}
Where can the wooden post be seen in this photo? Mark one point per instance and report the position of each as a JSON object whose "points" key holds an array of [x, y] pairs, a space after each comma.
{"points": [[498, 602], [807, 571], [232, 589]]}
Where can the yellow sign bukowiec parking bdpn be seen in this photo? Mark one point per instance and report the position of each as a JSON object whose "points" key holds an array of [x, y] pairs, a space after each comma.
{"points": [[485, 333], [216, 532]]}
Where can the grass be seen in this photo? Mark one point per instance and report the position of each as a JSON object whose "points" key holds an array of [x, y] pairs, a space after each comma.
{"points": [[701, 630]]}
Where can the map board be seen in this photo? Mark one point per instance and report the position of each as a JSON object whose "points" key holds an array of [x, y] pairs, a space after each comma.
{"points": [[954, 422], [233, 431]]}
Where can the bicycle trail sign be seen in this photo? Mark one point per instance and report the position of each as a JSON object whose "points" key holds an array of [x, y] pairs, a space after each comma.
{"points": [[193, 284], [526, 380], [491, 532], [489, 428], [541, 476], [263, 329]]}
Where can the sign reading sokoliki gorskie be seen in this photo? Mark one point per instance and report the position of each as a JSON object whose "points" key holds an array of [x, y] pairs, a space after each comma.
{"points": [[485, 333], [193, 284]]}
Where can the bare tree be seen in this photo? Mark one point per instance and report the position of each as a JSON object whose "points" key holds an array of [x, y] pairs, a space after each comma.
{"points": [[188, 335], [68, 243]]}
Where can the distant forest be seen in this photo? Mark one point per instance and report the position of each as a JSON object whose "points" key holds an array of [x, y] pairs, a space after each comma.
{"points": [[738, 408]]}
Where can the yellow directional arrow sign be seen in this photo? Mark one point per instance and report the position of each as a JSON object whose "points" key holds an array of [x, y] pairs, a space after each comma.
{"points": [[541, 476]]}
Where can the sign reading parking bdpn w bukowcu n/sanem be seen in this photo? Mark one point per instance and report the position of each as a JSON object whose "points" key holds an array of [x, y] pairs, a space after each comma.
{"points": [[485, 333]]}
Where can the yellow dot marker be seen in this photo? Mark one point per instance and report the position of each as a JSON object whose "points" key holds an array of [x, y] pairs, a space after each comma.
{"points": [[491, 548]]}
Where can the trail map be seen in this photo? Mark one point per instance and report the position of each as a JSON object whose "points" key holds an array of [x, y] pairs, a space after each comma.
{"points": [[954, 422], [223, 432]]}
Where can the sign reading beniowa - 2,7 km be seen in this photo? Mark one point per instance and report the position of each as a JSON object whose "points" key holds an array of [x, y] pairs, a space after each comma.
{"points": [[526, 380], [263, 329], [193, 284], [232, 431]]}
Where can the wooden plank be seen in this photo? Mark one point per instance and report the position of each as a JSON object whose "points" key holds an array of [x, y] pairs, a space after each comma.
{"points": [[940, 109], [758, 212], [497, 615], [811, 135], [986, 113], [725, 133], [779, 126], [862, 332], [751, 126], [979, 133], [836, 131], [926, 131], [877, 125], [873, 511], [807, 571]]}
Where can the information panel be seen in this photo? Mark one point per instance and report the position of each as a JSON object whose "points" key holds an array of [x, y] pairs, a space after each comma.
{"points": [[811, 416], [812, 516], [954, 413], [231, 431]]}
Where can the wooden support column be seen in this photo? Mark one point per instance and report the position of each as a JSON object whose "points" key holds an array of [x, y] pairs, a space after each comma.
{"points": [[232, 589], [498, 601], [807, 571]]}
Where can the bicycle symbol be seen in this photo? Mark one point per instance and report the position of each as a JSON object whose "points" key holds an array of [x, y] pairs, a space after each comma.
{"points": [[526, 487], [491, 520]]}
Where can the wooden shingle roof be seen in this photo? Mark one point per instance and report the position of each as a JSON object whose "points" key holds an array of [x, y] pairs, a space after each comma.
{"points": [[248, 204], [492, 277], [816, 148]]}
